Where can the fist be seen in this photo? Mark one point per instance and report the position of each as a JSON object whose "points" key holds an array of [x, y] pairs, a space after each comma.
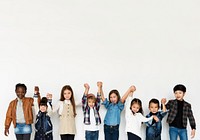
{"points": [[163, 100], [99, 84], [86, 85], [36, 90], [132, 88], [49, 96]]}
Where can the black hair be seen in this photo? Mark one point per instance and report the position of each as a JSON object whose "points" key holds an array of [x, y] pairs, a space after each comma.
{"points": [[43, 101], [116, 92], [20, 85], [179, 87], [139, 102], [155, 101]]}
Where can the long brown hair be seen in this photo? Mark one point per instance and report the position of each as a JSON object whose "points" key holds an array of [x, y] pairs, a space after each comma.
{"points": [[62, 98]]}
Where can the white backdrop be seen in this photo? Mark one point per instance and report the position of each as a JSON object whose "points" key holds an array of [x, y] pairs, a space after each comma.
{"points": [[151, 44]]}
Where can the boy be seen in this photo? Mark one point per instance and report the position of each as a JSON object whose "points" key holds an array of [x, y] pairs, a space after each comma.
{"points": [[154, 127], [179, 111], [43, 125], [20, 113], [91, 106]]}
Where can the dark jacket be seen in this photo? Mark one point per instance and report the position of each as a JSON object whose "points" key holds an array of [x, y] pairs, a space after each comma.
{"points": [[43, 127], [187, 113]]}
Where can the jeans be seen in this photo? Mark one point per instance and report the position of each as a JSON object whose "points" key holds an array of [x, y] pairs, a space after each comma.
{"points": [[91, 135], [111, 132], [175, 132]]}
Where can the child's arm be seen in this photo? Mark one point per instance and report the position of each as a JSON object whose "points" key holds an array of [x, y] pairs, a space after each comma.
{"points": [[163, 102], [8, 119], [100, 90], [98, 102], [84, 99], [87, 87], [129, 91], [49, 104]]}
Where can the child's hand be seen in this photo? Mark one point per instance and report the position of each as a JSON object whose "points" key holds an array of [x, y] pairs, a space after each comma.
{"points": [[49, 96], [192, 133], [155, 118], [132, 88], [36, 90], [99, 84], [6, 132], [163, 100], [86, 85]]}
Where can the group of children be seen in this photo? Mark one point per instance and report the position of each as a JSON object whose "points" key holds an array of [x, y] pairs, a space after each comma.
{"points": [[20, 112]]}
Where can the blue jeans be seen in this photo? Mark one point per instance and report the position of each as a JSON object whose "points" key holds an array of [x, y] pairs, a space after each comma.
{"points": [[111, 132], [91, 135], [175, 132]]}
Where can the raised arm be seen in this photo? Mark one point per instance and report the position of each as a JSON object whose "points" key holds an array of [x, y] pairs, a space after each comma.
{"points": [[128, 92], [100, 90], [163, 102], [87, 87], [99, 85]]}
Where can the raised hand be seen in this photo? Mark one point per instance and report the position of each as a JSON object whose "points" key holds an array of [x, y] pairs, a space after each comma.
{"points": [[36, 90], [49, 96], [99, 84], [163, 101]]}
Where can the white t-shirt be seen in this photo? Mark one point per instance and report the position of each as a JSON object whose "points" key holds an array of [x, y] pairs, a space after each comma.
{"points": [[134, 121]]}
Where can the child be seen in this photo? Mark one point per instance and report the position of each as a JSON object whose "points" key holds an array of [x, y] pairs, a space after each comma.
{"points": [[43, 125], [134, 116], [114, 107], [91, 106], [67, 112], [154, 128], [179, 111], [20, 113]]}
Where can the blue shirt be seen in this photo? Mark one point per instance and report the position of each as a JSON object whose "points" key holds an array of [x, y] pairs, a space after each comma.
{"points": [[113, 112]]}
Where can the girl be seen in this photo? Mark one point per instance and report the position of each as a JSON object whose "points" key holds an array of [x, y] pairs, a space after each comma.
{"points": [[134, 116], [20, 112], [43, 125], [114, 107], [67, 112]]}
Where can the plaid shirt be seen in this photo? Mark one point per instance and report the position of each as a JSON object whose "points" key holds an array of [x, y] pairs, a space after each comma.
{"points": [[172, 105], [86, 110]]}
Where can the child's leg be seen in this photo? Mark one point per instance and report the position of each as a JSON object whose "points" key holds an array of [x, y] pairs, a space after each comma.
{"points": [[107, 132], [173, 133], [67, 137], [132, 136], [91, 135], [115, 134], [183, 134], [23, 136], [95, 135]]}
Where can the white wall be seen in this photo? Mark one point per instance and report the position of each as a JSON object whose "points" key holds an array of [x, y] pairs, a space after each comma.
{"points": [[151, 44]]}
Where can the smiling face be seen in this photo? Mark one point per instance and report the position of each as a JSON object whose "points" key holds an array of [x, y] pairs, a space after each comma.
{"points": [[113, 98], [135, 107], [91, 102], [20, 92], [179, 95], [67, 94], [43, 108], [153, 107]]}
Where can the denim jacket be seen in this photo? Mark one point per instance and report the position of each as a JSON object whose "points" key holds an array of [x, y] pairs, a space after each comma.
{"points": [[153, 128], [43, 125]]}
